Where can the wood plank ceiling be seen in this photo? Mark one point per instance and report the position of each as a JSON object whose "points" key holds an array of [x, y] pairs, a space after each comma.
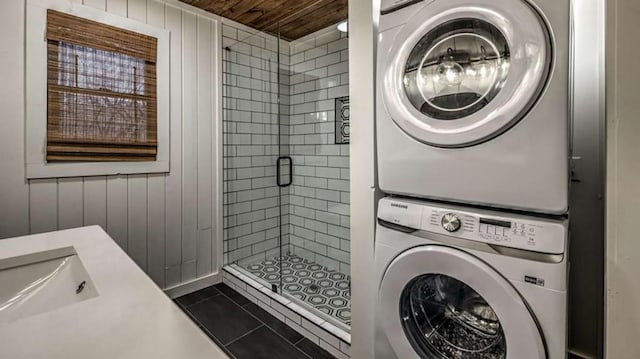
{"points": [[296, 18]]}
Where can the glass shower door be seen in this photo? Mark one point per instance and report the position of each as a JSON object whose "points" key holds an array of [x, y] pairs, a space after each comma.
{"points": [[313, 174], [252, 202]]}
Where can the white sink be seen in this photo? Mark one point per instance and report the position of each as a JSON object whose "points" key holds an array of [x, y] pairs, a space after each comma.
{"points": [[41, 282]]}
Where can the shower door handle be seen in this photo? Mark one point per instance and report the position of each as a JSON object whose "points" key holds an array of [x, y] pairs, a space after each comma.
{"points": [[278, 165]]}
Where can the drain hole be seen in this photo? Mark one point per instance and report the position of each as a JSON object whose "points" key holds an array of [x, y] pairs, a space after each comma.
{"points": [[81, 287], [314, 287]]}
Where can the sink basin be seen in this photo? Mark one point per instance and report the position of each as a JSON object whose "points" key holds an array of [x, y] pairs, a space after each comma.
{"points": [[41, 282]]}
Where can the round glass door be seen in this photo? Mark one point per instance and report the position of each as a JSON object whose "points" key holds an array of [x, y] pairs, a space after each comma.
{"points": [[438, 302], [456, 69], [458, 74], [445, 319]]}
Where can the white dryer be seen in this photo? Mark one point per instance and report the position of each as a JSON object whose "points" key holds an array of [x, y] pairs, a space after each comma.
{"points": [[456, 282], [473, 101]]}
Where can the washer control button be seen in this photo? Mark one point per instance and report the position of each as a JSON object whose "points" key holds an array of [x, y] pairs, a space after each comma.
{"points": [[451, 222]]}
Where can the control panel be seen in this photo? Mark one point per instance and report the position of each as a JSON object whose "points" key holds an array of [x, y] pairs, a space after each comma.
{"points": [[492, 227]]}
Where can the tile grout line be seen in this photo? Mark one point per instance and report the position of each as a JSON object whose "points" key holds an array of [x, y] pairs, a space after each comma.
{"points": [[200, 301], [217, 342], [201, 326], [245, 334], [269, 327]]}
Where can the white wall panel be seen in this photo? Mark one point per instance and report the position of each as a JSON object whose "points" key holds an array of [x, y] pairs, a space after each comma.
{"points": [[189, 146], [98, 4], [137, 10], [137, 219], [163, 221], [117, 185], [70, 199], [205, 91], [137, 204], [364, 193], [117, 209], [14, 191], [173, 213], [155, 14], [156, 228], [623, 180], [203, 260], [117, 7], [205, 160], [95, 201], [156, 189], [43, 205]]}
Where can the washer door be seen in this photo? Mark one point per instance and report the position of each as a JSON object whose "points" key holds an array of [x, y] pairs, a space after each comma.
{"points": [[462, 72], [440, 302]]}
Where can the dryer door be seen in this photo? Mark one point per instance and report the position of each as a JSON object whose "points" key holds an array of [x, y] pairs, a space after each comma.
{"points": [[464, 71], [440, 302]]}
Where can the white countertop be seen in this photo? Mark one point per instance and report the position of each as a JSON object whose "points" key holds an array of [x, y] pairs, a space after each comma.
{"points": [[130, 318]]}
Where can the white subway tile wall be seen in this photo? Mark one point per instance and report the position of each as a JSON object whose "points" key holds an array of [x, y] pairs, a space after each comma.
{"points": [[315, 208], [319, 196]]}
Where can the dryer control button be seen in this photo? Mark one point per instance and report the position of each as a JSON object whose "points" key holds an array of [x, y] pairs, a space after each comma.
{"points": [[451, 222]]}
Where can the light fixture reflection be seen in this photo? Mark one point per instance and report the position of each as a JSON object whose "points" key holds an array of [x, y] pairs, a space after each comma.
{"points": [[343, 26], [483, 68], [449, 72]]}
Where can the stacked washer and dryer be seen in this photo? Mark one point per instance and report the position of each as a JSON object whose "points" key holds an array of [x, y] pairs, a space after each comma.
{"points": [[473, 153]]}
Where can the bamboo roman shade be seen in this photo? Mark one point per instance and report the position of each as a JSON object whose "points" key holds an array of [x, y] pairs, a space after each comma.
{"points": [[101, 92]]}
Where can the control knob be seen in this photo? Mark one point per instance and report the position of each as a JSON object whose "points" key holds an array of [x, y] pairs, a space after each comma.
{"points": [[451, 222]]}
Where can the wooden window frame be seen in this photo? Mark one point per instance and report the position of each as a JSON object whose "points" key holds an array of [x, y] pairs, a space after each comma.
{"points": [[37, 165]]}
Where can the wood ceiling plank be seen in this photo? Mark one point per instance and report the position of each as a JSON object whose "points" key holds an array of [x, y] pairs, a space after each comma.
{"points": [[306, 14], [296, 17], [330, 14], [241, 9], [225, 9], [264, 10], [213, 6], [286, 9]]}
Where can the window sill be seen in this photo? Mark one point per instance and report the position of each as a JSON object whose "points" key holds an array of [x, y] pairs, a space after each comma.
{"points": [[83, 169]]}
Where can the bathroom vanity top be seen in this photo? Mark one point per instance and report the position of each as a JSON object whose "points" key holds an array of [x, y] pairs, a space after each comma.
{"points": [[123, 314]]}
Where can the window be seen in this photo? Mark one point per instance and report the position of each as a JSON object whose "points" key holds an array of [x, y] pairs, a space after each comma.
{"points": [[101, 92]]}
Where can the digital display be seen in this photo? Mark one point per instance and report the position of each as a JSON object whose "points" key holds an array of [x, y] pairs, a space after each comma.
{"points": [[495, 222]]}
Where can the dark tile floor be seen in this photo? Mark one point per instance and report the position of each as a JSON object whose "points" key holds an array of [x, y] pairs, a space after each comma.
{"points": [[244, 330]]}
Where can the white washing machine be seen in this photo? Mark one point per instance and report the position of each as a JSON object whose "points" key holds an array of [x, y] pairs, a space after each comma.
{"points": [[473, 101], [463, 283]]}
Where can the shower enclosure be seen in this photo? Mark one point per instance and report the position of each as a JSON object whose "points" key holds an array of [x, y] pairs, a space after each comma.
{"points": [[286, 166]]}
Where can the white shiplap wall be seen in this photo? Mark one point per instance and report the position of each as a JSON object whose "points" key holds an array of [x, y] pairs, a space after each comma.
{"points": [[165, 222]]}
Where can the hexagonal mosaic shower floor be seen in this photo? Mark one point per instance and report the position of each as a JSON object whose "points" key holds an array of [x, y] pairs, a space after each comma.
{"points": [[326, 290]]}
